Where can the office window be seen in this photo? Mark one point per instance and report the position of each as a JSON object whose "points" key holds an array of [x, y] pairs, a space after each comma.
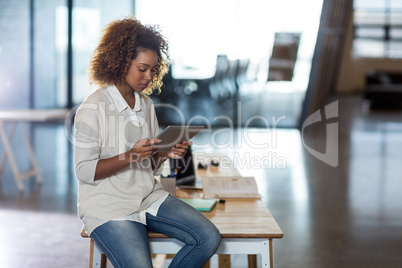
{"points": [[377, 29], [50, 68], [198, 31], [14, 54], [33, 49], [51, 34], [89, 18]]}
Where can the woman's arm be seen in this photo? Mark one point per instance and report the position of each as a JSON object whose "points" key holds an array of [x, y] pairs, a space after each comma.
{"points": [[141, 150], [109, 166]]}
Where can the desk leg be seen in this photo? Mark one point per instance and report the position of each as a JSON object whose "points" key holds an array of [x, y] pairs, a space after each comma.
{"points": [[271, 254], [224, 261], [207, 265], [252, 261], [32, 157], [9, 154], [10, 138]]}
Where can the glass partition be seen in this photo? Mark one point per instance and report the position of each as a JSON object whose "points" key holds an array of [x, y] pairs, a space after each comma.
{"points": [[89, 19]]}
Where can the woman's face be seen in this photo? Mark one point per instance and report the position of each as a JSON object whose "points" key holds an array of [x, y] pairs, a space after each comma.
{"points": [[142, 70]]}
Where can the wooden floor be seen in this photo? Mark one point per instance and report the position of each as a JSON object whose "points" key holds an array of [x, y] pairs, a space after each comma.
{"points": [[345, 214]]}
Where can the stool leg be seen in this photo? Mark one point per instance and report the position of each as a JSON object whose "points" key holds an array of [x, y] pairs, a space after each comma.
{"points": [[96, 258], [91, 253]]}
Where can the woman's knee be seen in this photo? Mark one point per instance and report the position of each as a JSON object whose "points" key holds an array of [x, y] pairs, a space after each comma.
{"points": [[215, 238], [211, 238]]}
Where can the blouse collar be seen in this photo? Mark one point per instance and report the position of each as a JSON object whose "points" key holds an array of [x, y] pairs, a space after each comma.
{"points": [[121, 103]]}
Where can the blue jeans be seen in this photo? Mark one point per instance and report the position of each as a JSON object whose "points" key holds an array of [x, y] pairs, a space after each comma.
{"points": [[125, 243]]}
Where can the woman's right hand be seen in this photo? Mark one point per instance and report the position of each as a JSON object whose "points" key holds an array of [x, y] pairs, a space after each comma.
{"points": [[142, 149]]}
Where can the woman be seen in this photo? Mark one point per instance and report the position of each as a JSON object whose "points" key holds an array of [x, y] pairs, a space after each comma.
{"points": [[119, 200]]}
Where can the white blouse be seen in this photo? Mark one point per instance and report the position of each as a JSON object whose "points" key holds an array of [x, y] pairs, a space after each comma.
{"points": [[106, 126]]}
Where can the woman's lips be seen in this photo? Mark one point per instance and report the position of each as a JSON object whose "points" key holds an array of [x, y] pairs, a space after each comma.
{"points": [[144, 85]]}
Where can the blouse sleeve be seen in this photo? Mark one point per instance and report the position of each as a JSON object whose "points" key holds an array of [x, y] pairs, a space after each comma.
{"points": [[87, 144]]}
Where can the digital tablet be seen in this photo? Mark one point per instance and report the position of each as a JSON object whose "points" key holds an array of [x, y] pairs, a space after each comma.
{"points": [[173, 135]]}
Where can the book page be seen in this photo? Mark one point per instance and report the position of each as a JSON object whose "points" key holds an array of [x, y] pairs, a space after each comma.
{"points": [[230, 187]]}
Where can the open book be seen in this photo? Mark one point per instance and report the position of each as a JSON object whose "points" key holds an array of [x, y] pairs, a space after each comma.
{"points": [[230, 187]]}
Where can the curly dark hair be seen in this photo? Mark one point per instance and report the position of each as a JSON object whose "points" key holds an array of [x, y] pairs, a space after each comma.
{"points": [[119, 45]]}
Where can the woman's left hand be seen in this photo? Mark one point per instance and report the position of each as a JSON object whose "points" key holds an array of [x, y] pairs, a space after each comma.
{"points": [[180, 150]]}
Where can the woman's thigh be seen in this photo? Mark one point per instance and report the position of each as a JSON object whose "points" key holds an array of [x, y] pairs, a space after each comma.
{"points": [[125, 243], [177, 219]]}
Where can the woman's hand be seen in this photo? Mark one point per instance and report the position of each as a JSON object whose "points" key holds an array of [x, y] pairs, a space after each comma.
{"points": [[142, 149], [177, 152], [180, 150]]}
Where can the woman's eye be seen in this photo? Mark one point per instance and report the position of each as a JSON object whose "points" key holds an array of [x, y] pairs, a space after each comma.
{"points": [[141, 70]]}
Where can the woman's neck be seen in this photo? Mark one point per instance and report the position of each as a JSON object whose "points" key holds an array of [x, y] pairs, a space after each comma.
{"points": [[128, 94]]}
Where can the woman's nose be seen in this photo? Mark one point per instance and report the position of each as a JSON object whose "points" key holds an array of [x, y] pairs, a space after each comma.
{"points": [[148, 75]]}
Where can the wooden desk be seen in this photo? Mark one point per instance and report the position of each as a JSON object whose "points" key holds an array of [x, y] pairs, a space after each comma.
{"points": [[21, 116], [246, 225]]}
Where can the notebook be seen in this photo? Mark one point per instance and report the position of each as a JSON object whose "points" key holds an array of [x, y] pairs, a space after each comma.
{"points": [[230, 187], [200, 204]]}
